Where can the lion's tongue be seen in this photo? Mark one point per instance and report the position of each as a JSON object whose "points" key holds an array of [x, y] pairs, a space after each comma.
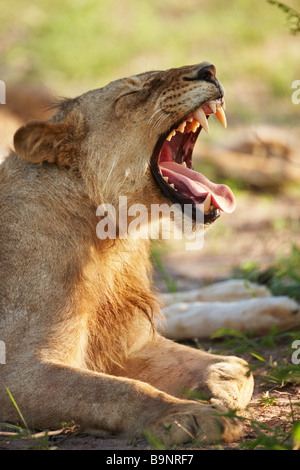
{"points": [[195, 185]]}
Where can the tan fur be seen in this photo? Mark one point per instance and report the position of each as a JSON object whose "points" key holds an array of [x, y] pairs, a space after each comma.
{"points": [[77, 313]]}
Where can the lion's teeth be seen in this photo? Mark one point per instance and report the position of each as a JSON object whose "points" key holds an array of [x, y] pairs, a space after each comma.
{"points": [[170, 184], [224, 105], [171, 135], [207, 203], [182, 127], [194, 125], [199, 114], [183, 164], [221, 117], [213, 107]]}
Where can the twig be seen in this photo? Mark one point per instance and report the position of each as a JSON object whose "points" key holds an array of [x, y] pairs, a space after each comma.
{"points": [[38, 434]]}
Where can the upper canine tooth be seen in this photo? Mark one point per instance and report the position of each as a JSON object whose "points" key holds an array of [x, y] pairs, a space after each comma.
{"points": [[221, 117], [166, 179], [171, 135], [224, 105], [213, 107], [172, 185], [207, 203], [182, 127], [199, 114]]}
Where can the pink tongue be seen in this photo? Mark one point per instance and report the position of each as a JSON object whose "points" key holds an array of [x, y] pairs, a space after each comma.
{"points": [[193, 184]]}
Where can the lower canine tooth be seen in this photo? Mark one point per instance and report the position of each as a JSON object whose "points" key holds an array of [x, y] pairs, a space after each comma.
{"points": [[172, 185], [183, 164], [166, 179]]}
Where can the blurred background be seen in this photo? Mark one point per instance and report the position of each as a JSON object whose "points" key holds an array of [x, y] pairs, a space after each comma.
{"points": [[54, 48]]}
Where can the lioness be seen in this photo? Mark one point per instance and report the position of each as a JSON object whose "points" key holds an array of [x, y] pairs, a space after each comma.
{"points": [[77, 311]]}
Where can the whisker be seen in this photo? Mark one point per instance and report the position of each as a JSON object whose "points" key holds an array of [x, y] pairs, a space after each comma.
{"points": [[111, 169], [159, 119]]}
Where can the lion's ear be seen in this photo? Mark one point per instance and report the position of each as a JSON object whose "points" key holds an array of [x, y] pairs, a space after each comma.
{"points": [[36, 142], [51, 142]]}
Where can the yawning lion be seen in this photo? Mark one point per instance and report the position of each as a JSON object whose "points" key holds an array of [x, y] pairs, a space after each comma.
{"points": [[77, 310]]}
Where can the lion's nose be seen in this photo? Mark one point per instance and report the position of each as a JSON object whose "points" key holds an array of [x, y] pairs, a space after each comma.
{"points": [[206, 72]]}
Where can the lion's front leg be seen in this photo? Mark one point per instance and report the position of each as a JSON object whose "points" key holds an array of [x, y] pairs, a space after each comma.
{"points": [[174, 368], [49, 394]]}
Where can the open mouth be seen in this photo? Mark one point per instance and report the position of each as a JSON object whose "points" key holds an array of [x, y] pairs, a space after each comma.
{"points": [[172, 167]]}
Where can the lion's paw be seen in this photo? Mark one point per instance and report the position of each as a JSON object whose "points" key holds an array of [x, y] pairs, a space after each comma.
{"points": [[191, 420], [230, 383]]}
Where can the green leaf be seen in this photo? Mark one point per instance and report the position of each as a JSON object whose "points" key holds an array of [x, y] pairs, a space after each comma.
{"points": [[258, 357], [17, 408], [296, 431]]}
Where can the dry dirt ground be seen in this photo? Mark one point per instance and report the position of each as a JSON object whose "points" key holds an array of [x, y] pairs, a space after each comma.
{"points": [[264, 226]]}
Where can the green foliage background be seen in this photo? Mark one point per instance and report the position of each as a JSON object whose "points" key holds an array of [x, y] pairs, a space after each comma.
{"points": [[74, 45]]}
